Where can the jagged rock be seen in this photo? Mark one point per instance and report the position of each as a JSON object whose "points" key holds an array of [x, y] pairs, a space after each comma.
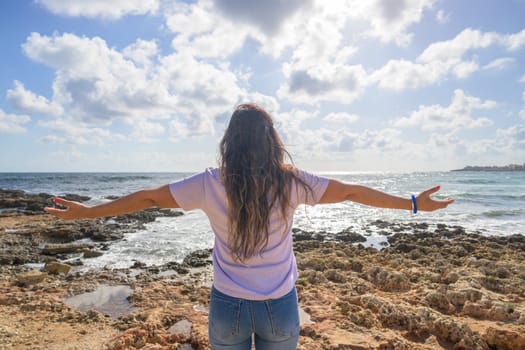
{"points": [[349, 236], [505, 339], [300, 235], [57, 268], [387, 280], [90, 253], [460, 297], [439, 301], [334, 276], [198, 258], [64, 248], [147, 215], [30, 277], [31, 203]]}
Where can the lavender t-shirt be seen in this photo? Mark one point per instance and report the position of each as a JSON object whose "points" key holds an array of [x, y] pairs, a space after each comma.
{"points": [[269, 275]]}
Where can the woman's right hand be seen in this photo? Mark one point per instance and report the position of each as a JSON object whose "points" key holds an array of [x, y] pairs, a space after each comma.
{"points": [[73, 210]]}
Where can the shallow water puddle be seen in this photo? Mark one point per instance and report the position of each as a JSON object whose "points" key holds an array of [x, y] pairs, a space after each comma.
{"points": [[109, 300]]}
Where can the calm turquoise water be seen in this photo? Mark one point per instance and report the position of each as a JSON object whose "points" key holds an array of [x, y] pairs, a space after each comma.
{"points": [[489, 202]]}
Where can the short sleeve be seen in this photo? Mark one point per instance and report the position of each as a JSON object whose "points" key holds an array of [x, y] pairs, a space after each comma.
{"points": [[317, 184], [189, 192]]}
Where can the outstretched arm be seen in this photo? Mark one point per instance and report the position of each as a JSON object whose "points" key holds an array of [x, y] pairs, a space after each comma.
{"points": [[338, 191], [158, 197]]}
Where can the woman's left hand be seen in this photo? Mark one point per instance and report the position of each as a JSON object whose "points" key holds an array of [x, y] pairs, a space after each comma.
{"points": [[426, 203]]}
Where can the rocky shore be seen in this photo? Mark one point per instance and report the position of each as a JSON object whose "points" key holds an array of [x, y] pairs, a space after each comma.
{"points": [[430, 287]]}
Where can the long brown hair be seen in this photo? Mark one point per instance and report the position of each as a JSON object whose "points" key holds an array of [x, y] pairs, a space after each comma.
{"points": [[256, 178]]}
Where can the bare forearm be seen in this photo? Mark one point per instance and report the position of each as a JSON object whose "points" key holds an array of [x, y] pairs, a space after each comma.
{"points": [[158, 197], [375, 198], [338, 191], [125, 205]]}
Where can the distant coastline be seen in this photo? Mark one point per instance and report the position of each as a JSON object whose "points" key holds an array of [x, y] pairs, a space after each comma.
{"points": [[510, 167]]}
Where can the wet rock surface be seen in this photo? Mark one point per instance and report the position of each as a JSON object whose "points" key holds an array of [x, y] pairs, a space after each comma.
{"points": [[30, 236], [431, 287], [20, 202]]}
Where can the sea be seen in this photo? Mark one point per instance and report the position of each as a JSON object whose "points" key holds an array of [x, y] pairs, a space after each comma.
{"points": [[490, 203]]}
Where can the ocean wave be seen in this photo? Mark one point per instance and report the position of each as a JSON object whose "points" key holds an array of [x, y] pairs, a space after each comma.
{"points": [[480, 197], [503, 213], [477, 181], [123, 178]]}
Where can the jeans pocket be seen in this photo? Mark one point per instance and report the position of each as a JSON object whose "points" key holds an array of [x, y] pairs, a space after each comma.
{"points": [[284, 314], [223, 318]]}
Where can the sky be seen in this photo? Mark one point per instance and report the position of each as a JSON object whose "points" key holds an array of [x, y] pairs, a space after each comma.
{"points": [[149, 85]]}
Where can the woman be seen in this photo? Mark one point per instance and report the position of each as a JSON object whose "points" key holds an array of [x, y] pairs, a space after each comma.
{"points": [[250, 200]]}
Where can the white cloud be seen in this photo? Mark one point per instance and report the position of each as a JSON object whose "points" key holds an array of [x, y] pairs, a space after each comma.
{"points": [[81, 56], [29, 102], [511, 138], [514, 41], [98, 85], [522, 79], [453, 117], [446, 143], [509, 142], [382, 140], [203, 27], [442, 58], [268, 16], [203, 90], [201, 32], [178, 130], [464, 69], [499, 63], [318, 69], [114, 9], [320, 144], [341, 83], [341, 118], [402, 74], [454, 49], [75, 132], [470, 39], [391, 19], [191, 19], [211, 45], [12, 123], [290, 123], [146, 132], [442, 17], [141, 52], [269, 103]]}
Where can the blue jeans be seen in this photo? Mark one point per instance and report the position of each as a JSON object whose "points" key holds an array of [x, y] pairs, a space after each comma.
{"points": [[274, 323]]}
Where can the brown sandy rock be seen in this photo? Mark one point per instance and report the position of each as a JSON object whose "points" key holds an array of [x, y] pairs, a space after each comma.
{"points": [[30, 277], [505, 339], [54, 267], [387, 280]]}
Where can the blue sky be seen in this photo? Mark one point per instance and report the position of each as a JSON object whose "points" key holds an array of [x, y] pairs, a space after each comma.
{"points": [[149, 85]]}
